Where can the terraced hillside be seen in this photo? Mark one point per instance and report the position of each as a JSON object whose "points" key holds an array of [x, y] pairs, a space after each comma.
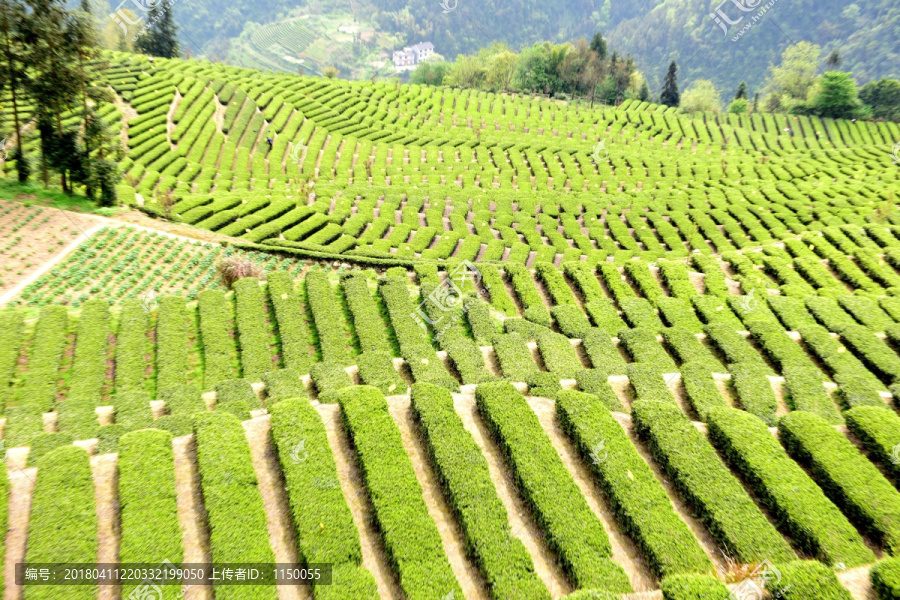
{"points": [[492, 358]]}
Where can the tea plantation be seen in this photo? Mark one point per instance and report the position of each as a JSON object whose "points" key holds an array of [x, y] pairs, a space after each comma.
{"points": [[503, 348]]}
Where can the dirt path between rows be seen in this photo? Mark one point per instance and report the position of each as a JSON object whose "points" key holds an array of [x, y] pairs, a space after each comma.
{"points": [[467, 574], [625, 552], [858, 582], [191, 513], [521, 522], [278, 515], [374, 557], [104, 469], [21, 490]]}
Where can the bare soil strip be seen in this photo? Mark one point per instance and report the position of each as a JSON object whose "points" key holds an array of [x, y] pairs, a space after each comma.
{"points": [[21, 489], [106, 494], [858, 582], [625, 552], [467, 574], [374, 557], [521, 522], [278, 515], [191, 513]]}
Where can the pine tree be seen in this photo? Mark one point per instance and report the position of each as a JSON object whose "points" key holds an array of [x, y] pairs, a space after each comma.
{"points": [[670, 95], [159, 38], [834, 59], [598, 45], [741, 91], [644, 94]]}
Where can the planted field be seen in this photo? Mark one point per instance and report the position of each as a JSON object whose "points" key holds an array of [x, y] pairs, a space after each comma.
{"points": [[517, 369]]}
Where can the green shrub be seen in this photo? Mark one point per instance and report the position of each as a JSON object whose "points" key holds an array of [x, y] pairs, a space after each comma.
{"points": [[410, 536], [807, 579], [44, 443], [376, 368], [12, 325], [602, 353], [559, 356], [218, 347], [693, 587], [640, 503], [321, 519], [182, 400], [801, 510], [467, 485], [514, 357], [327, 317], [253, 338], [237, 397], [281, 385], [702, 392], [63, 523], [171, 342], [234, 506], [595, 382], [851, 481], [76, 414], [754, 390], [148, 509], [710, 489], [805, 392], [878, 428], [571, 530], [643, 348], [885, 577]]}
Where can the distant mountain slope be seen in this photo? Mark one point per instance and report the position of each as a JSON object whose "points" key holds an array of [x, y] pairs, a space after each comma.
{"points": [[866, 33]]}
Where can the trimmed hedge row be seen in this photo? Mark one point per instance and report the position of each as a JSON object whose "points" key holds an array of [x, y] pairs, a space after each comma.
{"points": [[639, 501], [572, 531], [702, 392], [492, 281], [644, 348], [707, 484], [878, 428], [466, 482], [885, 577], [516, 362], [131, 341], [601, 351], [253, 338], [807, 579], [688, 348], [322, 521], [76, 414], [595, 382], [148, 509], [735, 347], [754, 390], [559, 356], [237, 397], [604, 315], [693, 587], [532, 304], [171, 342], [806, 392], [292, 328], [234, 505], [218, 346], [38, 393], [12, 327], [376, 368], [555, 283], [410, 537], [63, 523], [367, 321], [282, 385], [800, 508], [851, 481], [648, 383], [327, 318]]}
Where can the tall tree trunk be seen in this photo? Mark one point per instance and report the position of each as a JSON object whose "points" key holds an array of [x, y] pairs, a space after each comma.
{"points": [[62, 174]]}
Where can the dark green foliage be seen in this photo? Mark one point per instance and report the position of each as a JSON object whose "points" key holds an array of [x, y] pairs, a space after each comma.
{"points": [[801, 510], [410, 537], [706, 483], [322, 521], [885, 578], [570, 528], [641, 505], [467, 485], [851, 481]]}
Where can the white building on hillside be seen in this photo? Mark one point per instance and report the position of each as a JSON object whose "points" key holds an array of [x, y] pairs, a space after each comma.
{"points": [[410, 56]]}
